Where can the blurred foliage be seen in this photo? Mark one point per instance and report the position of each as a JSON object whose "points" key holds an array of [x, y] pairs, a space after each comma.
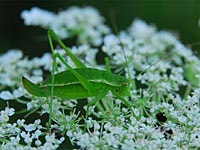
{"points": [[179, 16]]}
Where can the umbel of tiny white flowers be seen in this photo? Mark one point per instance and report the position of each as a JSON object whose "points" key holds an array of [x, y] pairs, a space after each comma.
{"points": [[86, 23]]}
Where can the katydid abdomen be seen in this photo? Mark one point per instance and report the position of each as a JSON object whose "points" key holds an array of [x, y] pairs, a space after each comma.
{"points": [[66, 85]]}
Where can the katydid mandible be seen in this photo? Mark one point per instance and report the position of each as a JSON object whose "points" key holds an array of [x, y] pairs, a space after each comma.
{"points": [[80, 82]]}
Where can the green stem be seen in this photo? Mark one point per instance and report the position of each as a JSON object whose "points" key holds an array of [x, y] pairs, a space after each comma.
{"points": [[52, 82], [187, 91]]}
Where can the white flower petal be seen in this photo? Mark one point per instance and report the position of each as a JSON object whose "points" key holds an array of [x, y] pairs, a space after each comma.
{"points": [[6, 95]]}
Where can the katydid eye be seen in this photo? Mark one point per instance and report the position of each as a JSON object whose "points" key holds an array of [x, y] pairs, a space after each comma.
{"points": [[126, 84]]}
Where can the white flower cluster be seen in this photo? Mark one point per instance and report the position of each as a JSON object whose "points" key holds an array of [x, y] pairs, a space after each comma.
{"points": [[12, 135], [181, 126], [13, 65], [164, 94], [158, 55], [85, 23]]}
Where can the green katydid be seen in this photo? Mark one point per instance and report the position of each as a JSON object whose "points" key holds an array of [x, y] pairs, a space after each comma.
{"points": [[80, 82]]}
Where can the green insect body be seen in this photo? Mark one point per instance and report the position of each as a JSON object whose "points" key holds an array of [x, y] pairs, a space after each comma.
{"points": [[66, 85], [78, 83]]}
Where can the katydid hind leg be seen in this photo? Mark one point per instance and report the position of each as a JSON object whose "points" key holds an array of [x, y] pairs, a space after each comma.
{"points": [[76, 61], [86, 84]]}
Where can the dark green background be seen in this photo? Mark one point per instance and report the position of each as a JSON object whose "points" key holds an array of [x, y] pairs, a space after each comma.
{"points": [[180, 16]]}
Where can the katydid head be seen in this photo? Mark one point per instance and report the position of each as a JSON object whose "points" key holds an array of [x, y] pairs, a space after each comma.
{"points": [[122, 90]]}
